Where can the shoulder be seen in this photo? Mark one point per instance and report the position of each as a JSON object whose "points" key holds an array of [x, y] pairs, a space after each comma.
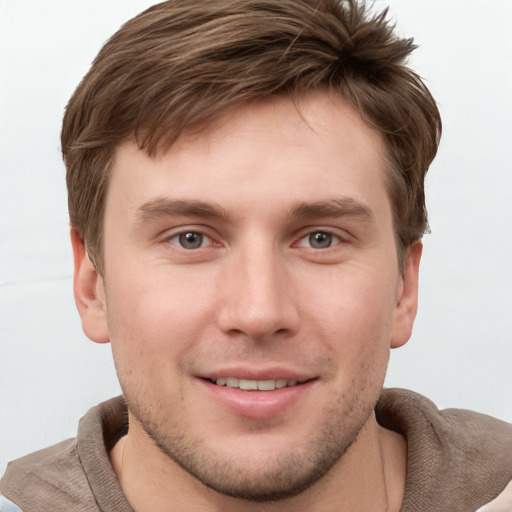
{"points": [[54, 475], [457, 459], [419, 416], [73, 475]]}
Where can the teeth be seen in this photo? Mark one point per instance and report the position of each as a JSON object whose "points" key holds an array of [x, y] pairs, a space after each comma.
{"points": [[232, 383], [253, 385], [266, 385], [248, 384]]}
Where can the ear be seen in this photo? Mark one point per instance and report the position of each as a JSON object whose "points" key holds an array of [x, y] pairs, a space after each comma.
{"points": [[407, 297], [89, 293]]}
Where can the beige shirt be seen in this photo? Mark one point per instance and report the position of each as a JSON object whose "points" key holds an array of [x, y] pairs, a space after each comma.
{"points": [[457, 461]]}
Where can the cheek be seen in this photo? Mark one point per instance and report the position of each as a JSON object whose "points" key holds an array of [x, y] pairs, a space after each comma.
{"points": [[156, 318], [353, 322], [354, 306]]}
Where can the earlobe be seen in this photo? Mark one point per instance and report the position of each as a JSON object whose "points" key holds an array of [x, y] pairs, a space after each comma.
{"points": [[89, 293], [407, 297]]}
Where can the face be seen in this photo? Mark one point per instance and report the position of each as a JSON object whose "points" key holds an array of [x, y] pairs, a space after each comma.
{"points": [[252, 293]]}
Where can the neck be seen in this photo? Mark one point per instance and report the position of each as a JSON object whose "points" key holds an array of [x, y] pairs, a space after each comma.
{"points": [[369, 476]]}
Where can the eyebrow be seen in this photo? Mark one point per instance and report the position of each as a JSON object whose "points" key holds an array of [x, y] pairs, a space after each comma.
{"points": [[337, 207], [163, 207]]}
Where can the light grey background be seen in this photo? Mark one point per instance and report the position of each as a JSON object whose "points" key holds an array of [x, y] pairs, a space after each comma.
{"points": [[461, 351]]}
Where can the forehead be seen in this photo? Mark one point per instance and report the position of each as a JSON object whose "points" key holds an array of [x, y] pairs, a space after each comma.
{"points": [[281, 149]]}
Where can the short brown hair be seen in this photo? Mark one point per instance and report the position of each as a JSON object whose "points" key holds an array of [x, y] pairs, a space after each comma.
{"points": [[180, 64]]}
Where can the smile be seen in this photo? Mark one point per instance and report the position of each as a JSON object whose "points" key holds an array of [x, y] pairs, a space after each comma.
{"points": [[254, 385], [258, 398]]}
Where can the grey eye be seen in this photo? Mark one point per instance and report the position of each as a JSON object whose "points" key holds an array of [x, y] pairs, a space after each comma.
{"points": [[320, 240], [190, 240]]}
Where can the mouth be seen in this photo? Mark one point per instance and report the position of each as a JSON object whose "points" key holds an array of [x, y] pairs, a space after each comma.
{"points": [[255, 385], [258, 396]]}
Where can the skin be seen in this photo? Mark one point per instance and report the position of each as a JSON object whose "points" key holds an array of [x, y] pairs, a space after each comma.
{"points": [[295, 274]]}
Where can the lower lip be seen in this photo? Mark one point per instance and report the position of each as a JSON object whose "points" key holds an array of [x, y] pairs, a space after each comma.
{"points": [[258, 404]]}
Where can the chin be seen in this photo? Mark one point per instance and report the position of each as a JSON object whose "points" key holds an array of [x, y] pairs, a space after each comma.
{"points": [[264, 473]]}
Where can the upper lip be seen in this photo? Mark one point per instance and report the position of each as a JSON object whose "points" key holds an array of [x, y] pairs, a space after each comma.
{"points": [[270, 373]]}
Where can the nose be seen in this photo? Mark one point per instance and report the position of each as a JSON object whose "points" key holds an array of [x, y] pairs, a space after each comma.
{"points": [[259, 302]]}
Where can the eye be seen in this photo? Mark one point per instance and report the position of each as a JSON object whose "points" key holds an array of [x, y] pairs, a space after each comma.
{"points": [[319, 240], [191, 240]]}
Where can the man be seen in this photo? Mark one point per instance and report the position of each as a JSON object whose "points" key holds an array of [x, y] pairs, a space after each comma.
{"points": [[246, 198]]}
